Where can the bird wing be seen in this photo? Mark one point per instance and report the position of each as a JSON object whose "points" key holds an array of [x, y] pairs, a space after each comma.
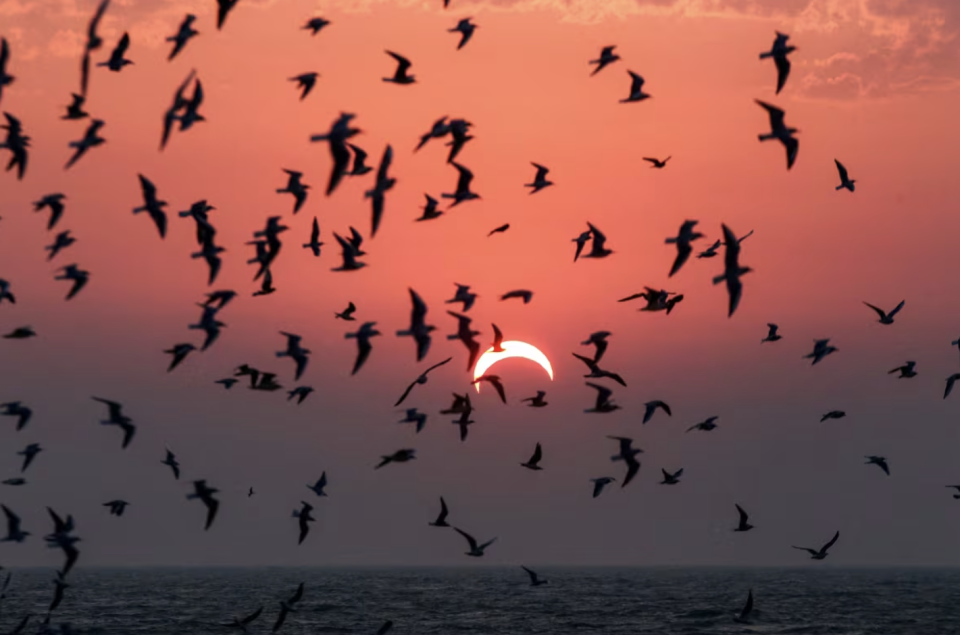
{"points": [[405, 393], [95, 21], [743, 514], [879, 311], [537, 455], [783, 70], [833, 540], [842, 170], [470, 539], [252, 616], [437, 365], [897, 309], [792, 145], [122, 45]]}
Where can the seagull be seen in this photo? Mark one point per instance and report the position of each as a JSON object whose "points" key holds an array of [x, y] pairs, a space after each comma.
{"points": [[223, 9], [300, 392], [597, 372], [90, 140], [458, 130], [540, 179], [820, 350], [464, 421], [466, 29], [603, 403], [438, 130], [772, 335], [62, 241], [360, 166], [537, 401], [183, 35], [466, 335], [732, 271], [462, 192], [657, 163], [671, 479], [191, 108], [204, 494], [400, 456], [20, 333], [833, 414], [16, 409], [93, 43], [476, 550], [499, 230], [845, 181], [117, 60], [296, 187], [15, 481], [422, 379], [117, 507], [627, 454], [581, 240], [171, 461], [14, 532], [5, 78], [78, 276], [415, 416], [348, 253], [316, 24], [5, 293], [419, 330], [779, 131], [597, 248], [710, 251], [951, 380], [906, 371], [383, 185], [317, 488], [607, 57], [17, 143], [651, 407], [636, 89], [305, 518], [747, 607], [779, 53], [519, 293], [493, 380], [287, 605], [599, 340], [179, 103], [535, 580], [209, 324], [75, 108], [706, 425], [682, 241], [305, 82], [337, 137], [400, 76], [295, 352], [243, 623], [880, 462], [29, 453], [179, 352], [533, 463], [441, 520], [430, 210], [886, 318], [822, 553], [464, 296], [743, 524], [600, 483], [152, 205], [117, 418]]}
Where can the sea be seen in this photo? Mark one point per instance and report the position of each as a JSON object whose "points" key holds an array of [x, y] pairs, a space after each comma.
{"points": [[494, 601]]}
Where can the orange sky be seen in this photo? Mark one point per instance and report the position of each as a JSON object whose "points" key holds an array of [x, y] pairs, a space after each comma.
{"points": [[871, 86]]}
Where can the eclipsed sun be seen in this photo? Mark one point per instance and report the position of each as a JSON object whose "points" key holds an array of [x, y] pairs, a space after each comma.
{"points": [[511, 349]]}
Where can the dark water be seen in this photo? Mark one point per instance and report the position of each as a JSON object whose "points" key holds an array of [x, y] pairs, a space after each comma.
{"points": [[816, 600]]}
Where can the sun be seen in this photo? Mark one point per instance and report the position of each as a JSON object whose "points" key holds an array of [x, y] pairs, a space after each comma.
{"points": [[511, 349]]}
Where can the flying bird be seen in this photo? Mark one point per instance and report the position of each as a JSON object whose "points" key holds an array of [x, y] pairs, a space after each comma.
{"points": [[204, 493], [152, 205], [117, 61], [18, 410], [651, 407], [833, 414], [533, 463], [93, 43], [316, 24], [780, 132], [400, 76], [360, 166], [880, 462], [91, 139], [6, 293], [29, 453], [296, 352], [599, 373], [304, 520], [117, 418], [383, 185], [17, 143], [117, 507], [600, 483], [463, 192], [347, 313], [671, 479], [540, 179], [951, 380], [422, 379], [179, 353], [171, 462], [732, 271], [779, 52], [603, 404], [62, 241], [845, 181], [400, 456], [821, 349], [772, 335], [535, 580], [466, 29], [464, 296], [419, 329], [581, 240], [20, 333], [14, 531], [524, 294], [300, 392], [599, 341], [183, 35], [822, 552], [53, 202], [466, 335], [493, 380], [318, 487], [499, 230], [636, 89], [743, 524], [476, 549], [682, 240], [747, 607], [536, 401], [288, 605], [657, 163], [441, 520], [223, 10], [348, 255], [305, 82], [5, 78], [906, 371], [886, 318], [315, 243], [430, 210], [78, 276], [706, 425], [598, 246], [75, 109], [438, 130], [607, 57]]}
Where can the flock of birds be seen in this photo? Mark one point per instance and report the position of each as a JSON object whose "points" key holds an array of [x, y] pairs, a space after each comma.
{"points": [[348, 160]]}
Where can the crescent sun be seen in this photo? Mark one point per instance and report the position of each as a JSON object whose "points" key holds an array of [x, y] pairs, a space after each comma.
{"points": [[511, 349]]}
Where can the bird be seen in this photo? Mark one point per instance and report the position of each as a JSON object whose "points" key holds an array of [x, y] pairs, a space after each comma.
{"points": [[706, 425], [540, 179], [822, 552], [117, 507], [772, 335], [780, 131], [243, 623], [419, 330], [91, 139], [295, 352], [886, 318], [651, 407], [117, 418], [305, 82], [464, 296], [29, 453], [383, 185], [400, 76], [833, 414], [710, 251], [598, 246], [422, 379], [152, 205], [53, 202], [581, 240], [20, 333], [300, 392], [318, 487], [524, 294], [337, 137], [18, 410], [17, 143], [298, 189], [671, 479], [347, 313], [179, 353], [906, 371], [600, 483], [599, 373], [5, 78], [62, 241], [348, 254], [627, 454], [603, 404], [303, 514], [607, 57], [400, 456], [360, 166], [466, 335], [223, 10], [499, 230], [415, 416], [732, 271], [657, 163], [316, 24], [75, 108], [956, 487], [6, 293], [464, 421], [779, 52], [682, 240], [636, 89], [179, 103], [15, 481], [493, 380], [289, 604], [462, 192], [93, 43], [441, 520], [845, 181], [171, 462], [951, 380], [743, 524], [117, 61], [880, 462], [599, 341], [430, 210], [204, 493], [14, 531], [466, 29], [78, 276], [535, 580], [476, 549], [747, 607], [438, 130], [821, 349], [536, 401], [533, 463], [183, 35]]}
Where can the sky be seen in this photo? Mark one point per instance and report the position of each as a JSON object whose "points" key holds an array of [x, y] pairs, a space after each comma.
{"points": [[873, 84]]}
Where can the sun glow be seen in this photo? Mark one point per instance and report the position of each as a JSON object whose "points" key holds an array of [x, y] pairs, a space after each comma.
{"points": [[511, 349]]}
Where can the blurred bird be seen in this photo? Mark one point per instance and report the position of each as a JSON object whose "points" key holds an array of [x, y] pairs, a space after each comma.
{"points": [[466, 29], [636, 89], [183, 35], [305, 82], [607, 57], [779, 52], [780, 132], [845, 181]]}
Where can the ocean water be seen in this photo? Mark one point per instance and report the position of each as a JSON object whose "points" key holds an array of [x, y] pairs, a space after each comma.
{"points": [[497, 601]]}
